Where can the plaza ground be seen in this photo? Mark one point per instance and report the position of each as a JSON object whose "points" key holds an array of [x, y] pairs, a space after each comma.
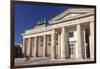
{"points": [[46, 60]]}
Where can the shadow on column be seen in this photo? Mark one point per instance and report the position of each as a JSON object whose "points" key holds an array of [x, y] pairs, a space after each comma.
{"points": [[87, 41]]}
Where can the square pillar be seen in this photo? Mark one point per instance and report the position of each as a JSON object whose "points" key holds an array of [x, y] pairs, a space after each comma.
{"points": [[53, 46]]}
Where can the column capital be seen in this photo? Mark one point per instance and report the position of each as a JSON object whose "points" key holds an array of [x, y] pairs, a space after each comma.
{"points": [[92, 22], [63, 27]]}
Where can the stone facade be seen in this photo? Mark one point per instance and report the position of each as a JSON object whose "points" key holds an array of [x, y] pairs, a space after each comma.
{"points": [[69, 35]]}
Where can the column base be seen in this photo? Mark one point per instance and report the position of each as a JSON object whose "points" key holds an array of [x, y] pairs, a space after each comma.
{"points": [[43, 56], [52, 59], [62, 59]]}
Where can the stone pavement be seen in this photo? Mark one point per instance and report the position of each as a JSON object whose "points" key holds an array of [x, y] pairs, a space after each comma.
{"points": [[46, 60]]}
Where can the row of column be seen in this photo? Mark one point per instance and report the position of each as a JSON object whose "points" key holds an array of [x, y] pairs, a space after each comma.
{"points": [[27, 44], [63, 45], [81, 45]]}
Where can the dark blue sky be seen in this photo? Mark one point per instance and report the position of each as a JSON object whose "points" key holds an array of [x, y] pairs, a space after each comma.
{"points": [[27, 15]]}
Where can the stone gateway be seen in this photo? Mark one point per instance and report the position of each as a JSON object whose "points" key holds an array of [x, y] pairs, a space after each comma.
{"points": [[69, 35]]}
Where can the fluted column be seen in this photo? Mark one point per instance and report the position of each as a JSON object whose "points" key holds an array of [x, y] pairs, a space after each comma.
{"points": [[91, 40], [64, 44], [35, 46], [32, 41], [28, 47], [79, 42], [53, 46], [59, 45], [44, 45], [23, 47], [84, 44]]}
